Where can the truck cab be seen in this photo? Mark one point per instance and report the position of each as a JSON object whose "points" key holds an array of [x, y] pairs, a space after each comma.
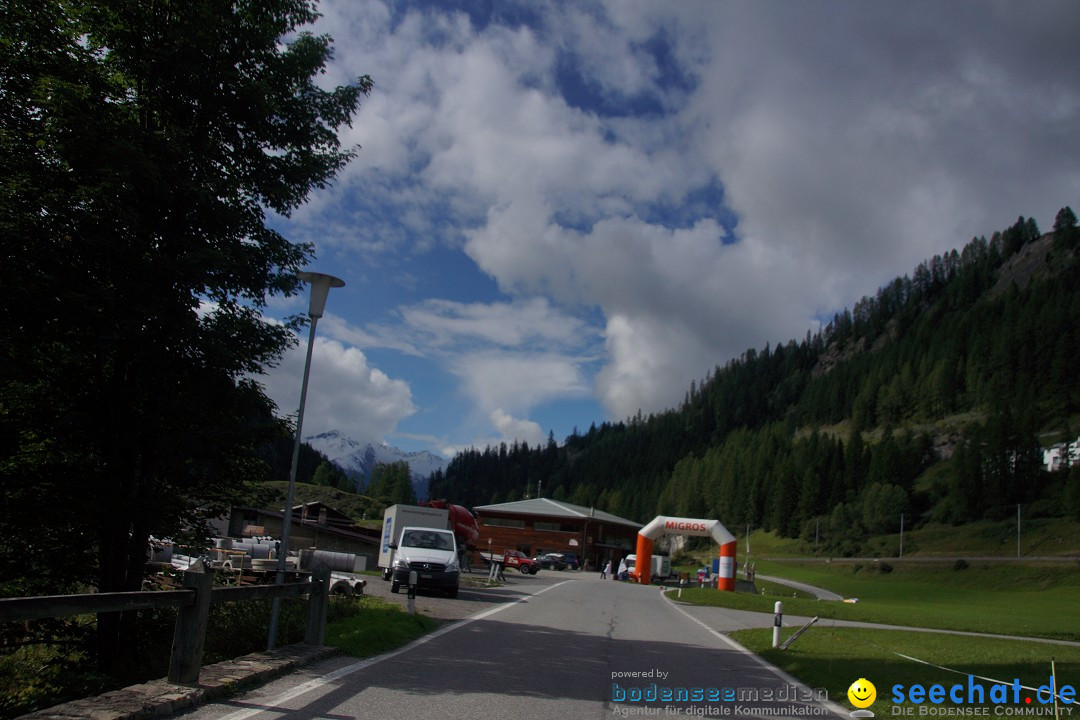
{"points": [[432, 554]]}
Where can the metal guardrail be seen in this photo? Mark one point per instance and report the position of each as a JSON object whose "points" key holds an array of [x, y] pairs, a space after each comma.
{"points": [[189, 635]]}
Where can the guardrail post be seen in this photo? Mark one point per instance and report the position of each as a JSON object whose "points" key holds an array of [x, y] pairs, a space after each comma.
{"points": [[189, 637], [318, 602]]}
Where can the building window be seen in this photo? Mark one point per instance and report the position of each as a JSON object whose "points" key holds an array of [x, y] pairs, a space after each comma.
{"points": [[555, 527], [503, 522]]}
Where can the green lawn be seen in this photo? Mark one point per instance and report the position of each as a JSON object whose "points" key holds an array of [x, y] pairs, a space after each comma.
{"points": [[834, 657], [1032, 601]]}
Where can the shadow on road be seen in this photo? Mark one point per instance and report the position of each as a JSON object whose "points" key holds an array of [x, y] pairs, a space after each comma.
{"points": [[488, 657]]}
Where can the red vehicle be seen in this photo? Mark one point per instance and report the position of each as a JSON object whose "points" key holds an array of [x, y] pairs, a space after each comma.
{"points": [[521, 561], [462, 522]]}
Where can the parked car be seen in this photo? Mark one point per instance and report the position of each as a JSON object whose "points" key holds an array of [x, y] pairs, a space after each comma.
{"points": [[552, 561], [521, 561], [572, 560]]}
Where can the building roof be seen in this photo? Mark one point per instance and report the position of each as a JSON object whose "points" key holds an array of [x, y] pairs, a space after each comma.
{"points": [[547, 507]]}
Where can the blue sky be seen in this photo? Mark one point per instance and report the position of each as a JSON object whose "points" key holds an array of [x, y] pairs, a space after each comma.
{"points": [[566, 212]]}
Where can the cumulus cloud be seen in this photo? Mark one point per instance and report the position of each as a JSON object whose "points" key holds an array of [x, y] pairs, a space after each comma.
{"points": [[511, 428], [696, 178], [344, 392], [518, 382], [508, 357], [867, 140]]}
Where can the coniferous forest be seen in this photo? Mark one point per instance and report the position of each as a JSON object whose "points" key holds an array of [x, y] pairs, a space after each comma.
{"points": [[932, 398]]}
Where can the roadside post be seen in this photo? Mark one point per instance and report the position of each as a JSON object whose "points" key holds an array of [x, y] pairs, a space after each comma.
{"points": [[412, 592], [778, 622], [318, 604]]}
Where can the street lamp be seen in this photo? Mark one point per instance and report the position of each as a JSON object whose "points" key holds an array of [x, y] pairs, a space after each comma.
{"points": [[320, 288]]}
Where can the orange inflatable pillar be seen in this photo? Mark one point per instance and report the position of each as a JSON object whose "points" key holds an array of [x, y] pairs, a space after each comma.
{"points": [[643, 559], [725, 579]]}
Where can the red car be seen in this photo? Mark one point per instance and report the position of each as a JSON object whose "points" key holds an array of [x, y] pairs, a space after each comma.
{"points": [[521, 561]]}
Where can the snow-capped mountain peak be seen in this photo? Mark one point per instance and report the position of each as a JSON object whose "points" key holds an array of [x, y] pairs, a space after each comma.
{"points": [[358, 460]]}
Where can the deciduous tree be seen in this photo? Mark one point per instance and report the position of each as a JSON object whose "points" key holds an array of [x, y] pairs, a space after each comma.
{"points": [[142, 145]]}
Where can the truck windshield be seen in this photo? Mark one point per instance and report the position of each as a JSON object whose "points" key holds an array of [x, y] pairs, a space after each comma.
{"points": [[426, 540]]}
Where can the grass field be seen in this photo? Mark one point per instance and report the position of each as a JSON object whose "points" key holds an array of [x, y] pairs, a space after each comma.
{"points": [[1032, 601], [834, 657]]}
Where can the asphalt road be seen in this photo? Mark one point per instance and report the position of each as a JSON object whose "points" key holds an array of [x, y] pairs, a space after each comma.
{"points": [[557, 645]]}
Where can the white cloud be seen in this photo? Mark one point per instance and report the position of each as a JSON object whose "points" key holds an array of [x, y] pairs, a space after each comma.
{"points": [[516, 355], [344, 392], [867, 140], [850, 152], [851, 143], [518, 382], [446, 322], [512, 429]]}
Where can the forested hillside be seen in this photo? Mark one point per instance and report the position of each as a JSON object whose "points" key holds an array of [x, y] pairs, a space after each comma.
{"points": [[932, 398]]}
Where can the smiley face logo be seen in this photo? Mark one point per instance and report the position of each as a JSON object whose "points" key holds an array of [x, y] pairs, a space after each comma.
{"points": [[862, 693]]}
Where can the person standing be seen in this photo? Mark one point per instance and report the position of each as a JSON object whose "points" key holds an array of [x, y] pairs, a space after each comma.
{"points": [[605, 569]]}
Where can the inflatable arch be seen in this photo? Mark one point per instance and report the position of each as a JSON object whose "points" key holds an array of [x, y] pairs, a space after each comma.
{"points": [[686, 526]]}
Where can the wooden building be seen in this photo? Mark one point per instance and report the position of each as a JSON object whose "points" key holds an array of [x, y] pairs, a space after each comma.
{"points": [[544, 525]]}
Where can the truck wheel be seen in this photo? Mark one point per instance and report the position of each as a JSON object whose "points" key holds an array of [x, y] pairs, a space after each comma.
{"points": [[524, 569], [341, 588], [395, 586], [451, 593]]}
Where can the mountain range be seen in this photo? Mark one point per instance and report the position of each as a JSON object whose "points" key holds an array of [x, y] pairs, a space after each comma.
{"points": [[358, 460]]}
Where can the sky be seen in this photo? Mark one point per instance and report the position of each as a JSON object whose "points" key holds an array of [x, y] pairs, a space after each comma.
{"points": [[563, 213]]}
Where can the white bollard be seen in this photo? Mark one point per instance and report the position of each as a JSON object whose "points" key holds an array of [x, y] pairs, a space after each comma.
{"points": [[778, 622], [412, 592]]}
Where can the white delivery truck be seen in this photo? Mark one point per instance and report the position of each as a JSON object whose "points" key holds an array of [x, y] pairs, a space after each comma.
{"points": [[661, 566], [430, 556], [398, 517]]}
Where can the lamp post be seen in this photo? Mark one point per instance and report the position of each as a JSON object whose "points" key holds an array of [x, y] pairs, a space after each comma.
{"points": [[320, 288]]}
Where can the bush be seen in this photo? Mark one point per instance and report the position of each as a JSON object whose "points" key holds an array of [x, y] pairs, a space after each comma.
{"points": [[37, 675]]}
